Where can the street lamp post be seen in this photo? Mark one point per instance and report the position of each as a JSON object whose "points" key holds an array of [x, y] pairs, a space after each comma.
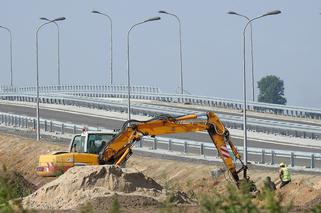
{"points": [[180, 46], [58, 48], [128, 67], [252, 57], [37, 78], [7, 29], [274, 12], [111, 43]]}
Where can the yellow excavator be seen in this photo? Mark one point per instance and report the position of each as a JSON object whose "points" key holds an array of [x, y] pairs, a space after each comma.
{"points": [[99, 148]]}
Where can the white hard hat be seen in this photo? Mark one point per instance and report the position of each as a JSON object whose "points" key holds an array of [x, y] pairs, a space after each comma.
{"points": [[282, 164]]}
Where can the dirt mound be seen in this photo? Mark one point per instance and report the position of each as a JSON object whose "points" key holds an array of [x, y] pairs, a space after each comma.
{"points": [[298, 188], [97, 185]]}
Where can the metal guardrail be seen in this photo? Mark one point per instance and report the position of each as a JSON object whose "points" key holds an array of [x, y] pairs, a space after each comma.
{"points": [[231, 121], [189, 148], [266, 156], [47, 126], [81, 88], [153, 93]]}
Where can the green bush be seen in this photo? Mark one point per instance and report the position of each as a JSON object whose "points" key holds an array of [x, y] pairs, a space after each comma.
{"points": [[234, 201], [273, 204], [87, 208], [316, 209], [242, 201], [167, 206], [115, 206], [12, 186]]}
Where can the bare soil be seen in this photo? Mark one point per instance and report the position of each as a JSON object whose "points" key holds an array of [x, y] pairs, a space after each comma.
{"points": [[21, 155], [96, 185]]}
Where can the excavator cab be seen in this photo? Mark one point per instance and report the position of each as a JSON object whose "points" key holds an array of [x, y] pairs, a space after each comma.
{"points": [[91, 141], [83, 150]]}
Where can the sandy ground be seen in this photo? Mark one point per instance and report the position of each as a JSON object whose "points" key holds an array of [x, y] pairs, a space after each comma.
{"points": [[21, 154], [81, 185]]}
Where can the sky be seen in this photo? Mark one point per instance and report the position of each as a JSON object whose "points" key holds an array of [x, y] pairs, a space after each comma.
{"points": [[286, 45]]}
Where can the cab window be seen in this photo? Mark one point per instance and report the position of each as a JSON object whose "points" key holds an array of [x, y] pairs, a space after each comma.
{"points": [[96, 142], [78, 144]]}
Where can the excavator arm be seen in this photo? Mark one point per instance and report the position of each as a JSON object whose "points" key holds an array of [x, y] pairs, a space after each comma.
{"points": [[119, 149]]}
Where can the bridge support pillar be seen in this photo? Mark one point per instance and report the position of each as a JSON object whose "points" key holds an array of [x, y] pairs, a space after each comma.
{"points": [[312, 161], [155, 144], [202, 149], [34, 124], [50, 126], [46, 126], [292, 159], [185, 147], [263, 156]]}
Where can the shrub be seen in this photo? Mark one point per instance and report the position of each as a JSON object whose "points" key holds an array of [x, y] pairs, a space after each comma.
{"points": [[242, 200], [115, 206], [12, 186]]}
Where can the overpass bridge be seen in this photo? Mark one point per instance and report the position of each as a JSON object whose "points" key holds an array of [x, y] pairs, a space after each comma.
{"points": [[154, 93], [287, 120]]}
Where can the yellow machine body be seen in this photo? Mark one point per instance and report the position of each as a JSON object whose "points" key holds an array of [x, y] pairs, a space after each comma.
{"points": [[93, 148]]}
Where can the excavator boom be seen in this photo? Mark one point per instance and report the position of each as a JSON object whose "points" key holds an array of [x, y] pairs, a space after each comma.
{"points": [[119, 149]]}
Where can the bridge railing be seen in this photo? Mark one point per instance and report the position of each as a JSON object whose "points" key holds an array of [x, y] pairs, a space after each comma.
{"points": [[80, 88], [257, 155], [154, 93], [231, 121]]}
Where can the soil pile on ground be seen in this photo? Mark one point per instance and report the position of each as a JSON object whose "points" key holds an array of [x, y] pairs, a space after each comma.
{"points": [[97, 185], [298, 188], [301, 194]]}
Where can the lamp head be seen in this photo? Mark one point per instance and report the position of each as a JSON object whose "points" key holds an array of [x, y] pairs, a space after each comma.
{"points": [[95, 11], [59, 19], [163, 11], [45, 19], [153, 19], [232, 13], [274, 12]]}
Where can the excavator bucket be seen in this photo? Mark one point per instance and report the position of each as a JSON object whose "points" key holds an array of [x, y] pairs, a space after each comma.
{"points": [[221, 138]]}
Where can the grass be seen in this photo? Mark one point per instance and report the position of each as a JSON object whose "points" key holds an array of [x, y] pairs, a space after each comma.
{"points": [[12, 187]]}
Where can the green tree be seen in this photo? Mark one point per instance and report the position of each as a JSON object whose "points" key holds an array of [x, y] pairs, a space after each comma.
{"points": [[271, 90]]}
